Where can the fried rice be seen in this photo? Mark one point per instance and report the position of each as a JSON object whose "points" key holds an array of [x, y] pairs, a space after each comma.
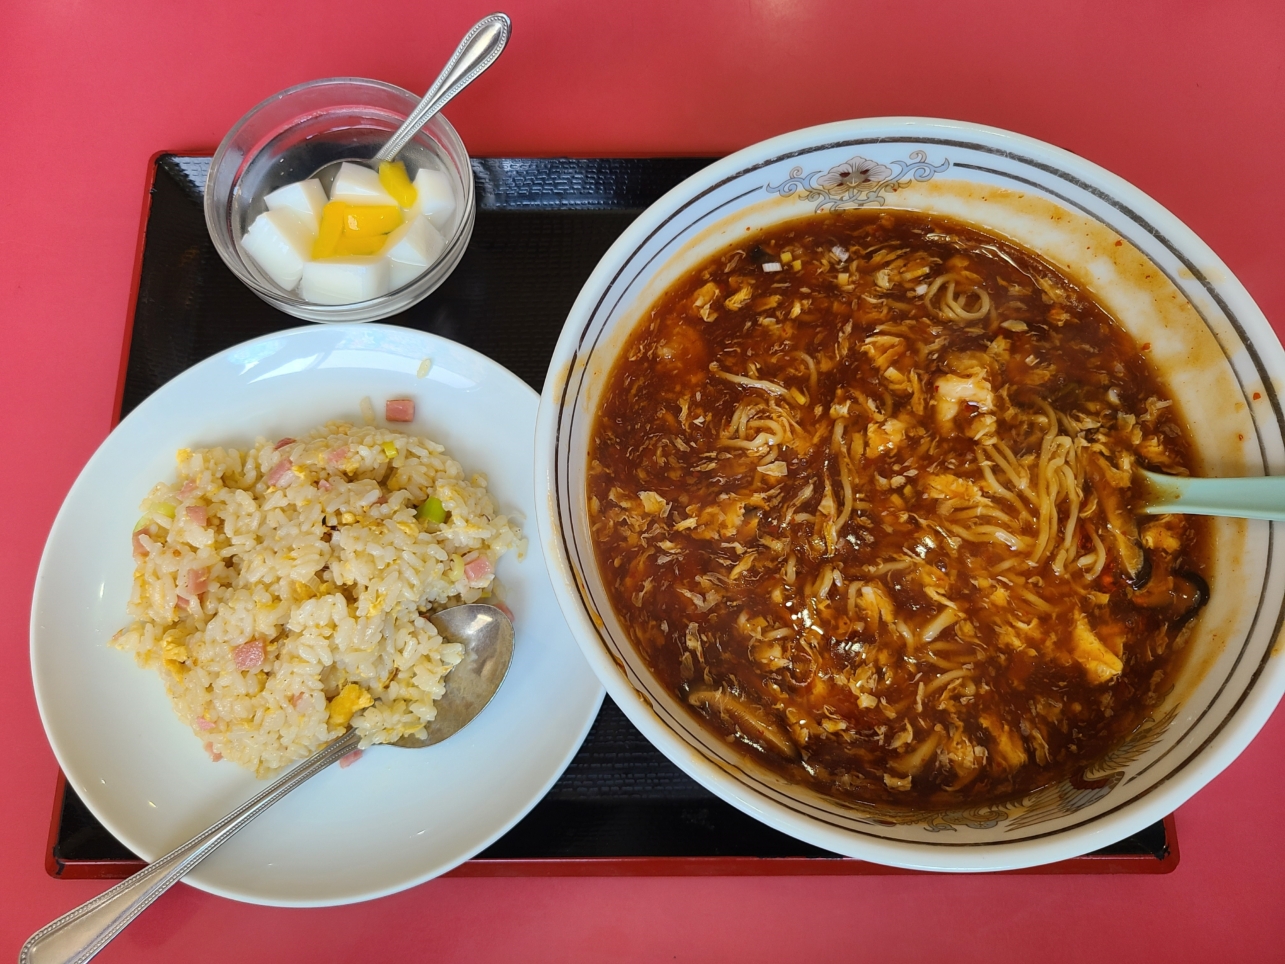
{"points": [[282, 593]]}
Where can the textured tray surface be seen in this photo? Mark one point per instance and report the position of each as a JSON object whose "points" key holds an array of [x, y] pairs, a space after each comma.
{"points": [[541, 227]]}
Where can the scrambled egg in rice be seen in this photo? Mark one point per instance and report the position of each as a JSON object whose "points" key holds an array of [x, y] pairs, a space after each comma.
{"points": [[282, 593]]}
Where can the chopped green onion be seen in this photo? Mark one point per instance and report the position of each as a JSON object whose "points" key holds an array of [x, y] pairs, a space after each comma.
{"points": [[166, 509], [432, 511]]}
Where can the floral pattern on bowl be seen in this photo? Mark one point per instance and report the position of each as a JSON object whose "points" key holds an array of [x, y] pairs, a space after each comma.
{"points": [[856, 182]]}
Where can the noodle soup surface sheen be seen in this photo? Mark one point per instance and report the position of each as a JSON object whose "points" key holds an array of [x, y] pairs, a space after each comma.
{"points": [[862, 494]]}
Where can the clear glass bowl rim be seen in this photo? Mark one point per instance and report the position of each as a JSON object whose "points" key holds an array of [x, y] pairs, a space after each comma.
{"points": [[370, 310]]}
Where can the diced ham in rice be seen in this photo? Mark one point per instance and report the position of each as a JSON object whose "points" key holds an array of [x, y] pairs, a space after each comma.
{"points": [[399, 410], [350, 759], [478, 569], [279, 471], [248, 655], [198, 581]]}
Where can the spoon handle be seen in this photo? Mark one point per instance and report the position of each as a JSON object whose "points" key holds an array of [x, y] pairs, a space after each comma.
{"points": [[476, 52], [80, 934], [1260, 497]]}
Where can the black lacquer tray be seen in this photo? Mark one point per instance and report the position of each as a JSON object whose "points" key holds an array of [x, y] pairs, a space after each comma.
{"points": [[542, 224]]}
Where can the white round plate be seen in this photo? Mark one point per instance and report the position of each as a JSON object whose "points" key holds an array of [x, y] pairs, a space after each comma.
{"points": [[397, 817]]}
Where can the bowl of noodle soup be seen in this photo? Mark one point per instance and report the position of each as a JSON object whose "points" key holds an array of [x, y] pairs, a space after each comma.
{"points": [[838, 442]]}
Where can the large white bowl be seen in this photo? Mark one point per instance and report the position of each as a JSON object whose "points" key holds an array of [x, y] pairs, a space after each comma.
{"points": [[1208, 339], [398, 816]]}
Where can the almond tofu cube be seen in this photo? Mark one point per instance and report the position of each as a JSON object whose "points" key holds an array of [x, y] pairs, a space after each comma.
{"points": [[304, 198], [344, 281], [280, 244], [410, 250], [356, 184], [435, 198]]}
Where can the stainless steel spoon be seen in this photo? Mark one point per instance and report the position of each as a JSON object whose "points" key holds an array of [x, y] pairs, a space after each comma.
{"points": [[476, 52], [487, 637]]}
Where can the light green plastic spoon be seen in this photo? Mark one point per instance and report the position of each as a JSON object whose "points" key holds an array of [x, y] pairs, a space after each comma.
{"points": [[1250, 498]]}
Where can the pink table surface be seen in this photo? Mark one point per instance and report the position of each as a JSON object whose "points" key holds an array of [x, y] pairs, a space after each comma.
{"points": [[1187, 101]]}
